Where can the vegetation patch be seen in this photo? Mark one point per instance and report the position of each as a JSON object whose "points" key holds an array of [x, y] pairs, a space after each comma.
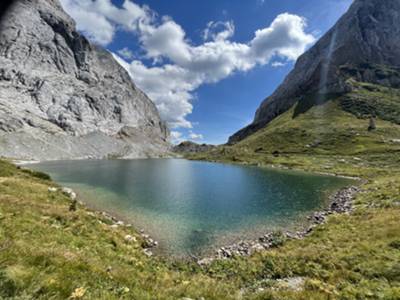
{"points": [[373, 100]]}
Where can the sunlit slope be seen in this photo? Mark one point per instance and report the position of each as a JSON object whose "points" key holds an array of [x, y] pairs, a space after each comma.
{"points": [[338, 126]]}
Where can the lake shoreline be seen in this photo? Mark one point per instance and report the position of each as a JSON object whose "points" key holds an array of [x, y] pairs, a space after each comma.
{"points": [[264, 166], [340, 203], [241, 248]]}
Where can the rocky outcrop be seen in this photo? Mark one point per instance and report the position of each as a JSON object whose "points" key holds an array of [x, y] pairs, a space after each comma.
{"points": [[191, 147], [62, 97], [367, 36]]}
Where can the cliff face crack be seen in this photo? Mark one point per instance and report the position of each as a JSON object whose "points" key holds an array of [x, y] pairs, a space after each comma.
{"points": [[73, 40]]}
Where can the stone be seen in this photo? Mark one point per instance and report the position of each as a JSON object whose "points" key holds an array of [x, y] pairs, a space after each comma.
{"points": [[372, 124], [257, 247], [147, 252], [205, 261], [62, 97], [52, 189], [73, 205], [128, 238], [69, 192]]}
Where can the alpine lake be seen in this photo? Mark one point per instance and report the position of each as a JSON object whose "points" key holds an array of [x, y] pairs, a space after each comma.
{"points": [[191, 207]]}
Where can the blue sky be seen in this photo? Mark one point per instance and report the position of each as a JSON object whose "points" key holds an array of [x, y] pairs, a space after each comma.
{"points": [[206, 64]]}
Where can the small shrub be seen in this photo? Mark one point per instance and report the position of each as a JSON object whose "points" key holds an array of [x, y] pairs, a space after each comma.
{"points": [[37, 174], [395, 244], [278, 239], [8, 287], [7, 169]]}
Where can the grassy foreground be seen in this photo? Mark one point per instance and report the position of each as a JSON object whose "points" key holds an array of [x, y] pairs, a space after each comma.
{"points": [[48, 252]]}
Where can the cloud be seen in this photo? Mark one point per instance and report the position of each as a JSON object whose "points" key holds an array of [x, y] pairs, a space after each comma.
{"points": [[218, 30], [94, 25], [180, 67], [167, 39], [285, 37], [195, 136], [170, 88], [100, 19], [126, 53], [175, 137], [278, 64]]}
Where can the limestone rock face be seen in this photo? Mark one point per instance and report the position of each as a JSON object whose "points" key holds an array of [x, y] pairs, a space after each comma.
{"points": [[62, 97], [366, 36]]}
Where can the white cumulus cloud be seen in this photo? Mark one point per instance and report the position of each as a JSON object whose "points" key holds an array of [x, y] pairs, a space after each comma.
{"points": [[180, 66], [177, 137], [219, 30]]}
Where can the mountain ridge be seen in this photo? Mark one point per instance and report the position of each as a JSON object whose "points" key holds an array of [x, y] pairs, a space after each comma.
{"points": [[62, 97], [367, 34]]}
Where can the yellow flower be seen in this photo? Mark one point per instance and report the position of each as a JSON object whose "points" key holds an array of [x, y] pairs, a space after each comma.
{"points": [[78, 293]]}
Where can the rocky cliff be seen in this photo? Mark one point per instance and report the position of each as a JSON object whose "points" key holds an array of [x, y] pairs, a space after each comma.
{"points": [[62, 97], [364, 45]]}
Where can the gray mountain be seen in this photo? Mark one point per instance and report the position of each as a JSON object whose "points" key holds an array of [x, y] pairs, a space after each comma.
{"points": [[62, 97], [364, 44]]}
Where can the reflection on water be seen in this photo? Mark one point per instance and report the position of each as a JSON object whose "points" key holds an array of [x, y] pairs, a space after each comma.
{"points": [[188, 206]]}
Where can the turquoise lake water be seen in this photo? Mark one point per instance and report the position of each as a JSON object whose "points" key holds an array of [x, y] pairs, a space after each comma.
{"points": [[191, 206]]}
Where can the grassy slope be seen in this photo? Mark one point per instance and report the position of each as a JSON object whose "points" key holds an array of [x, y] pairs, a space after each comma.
{"points": [[324, 130], [47, 252]]}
